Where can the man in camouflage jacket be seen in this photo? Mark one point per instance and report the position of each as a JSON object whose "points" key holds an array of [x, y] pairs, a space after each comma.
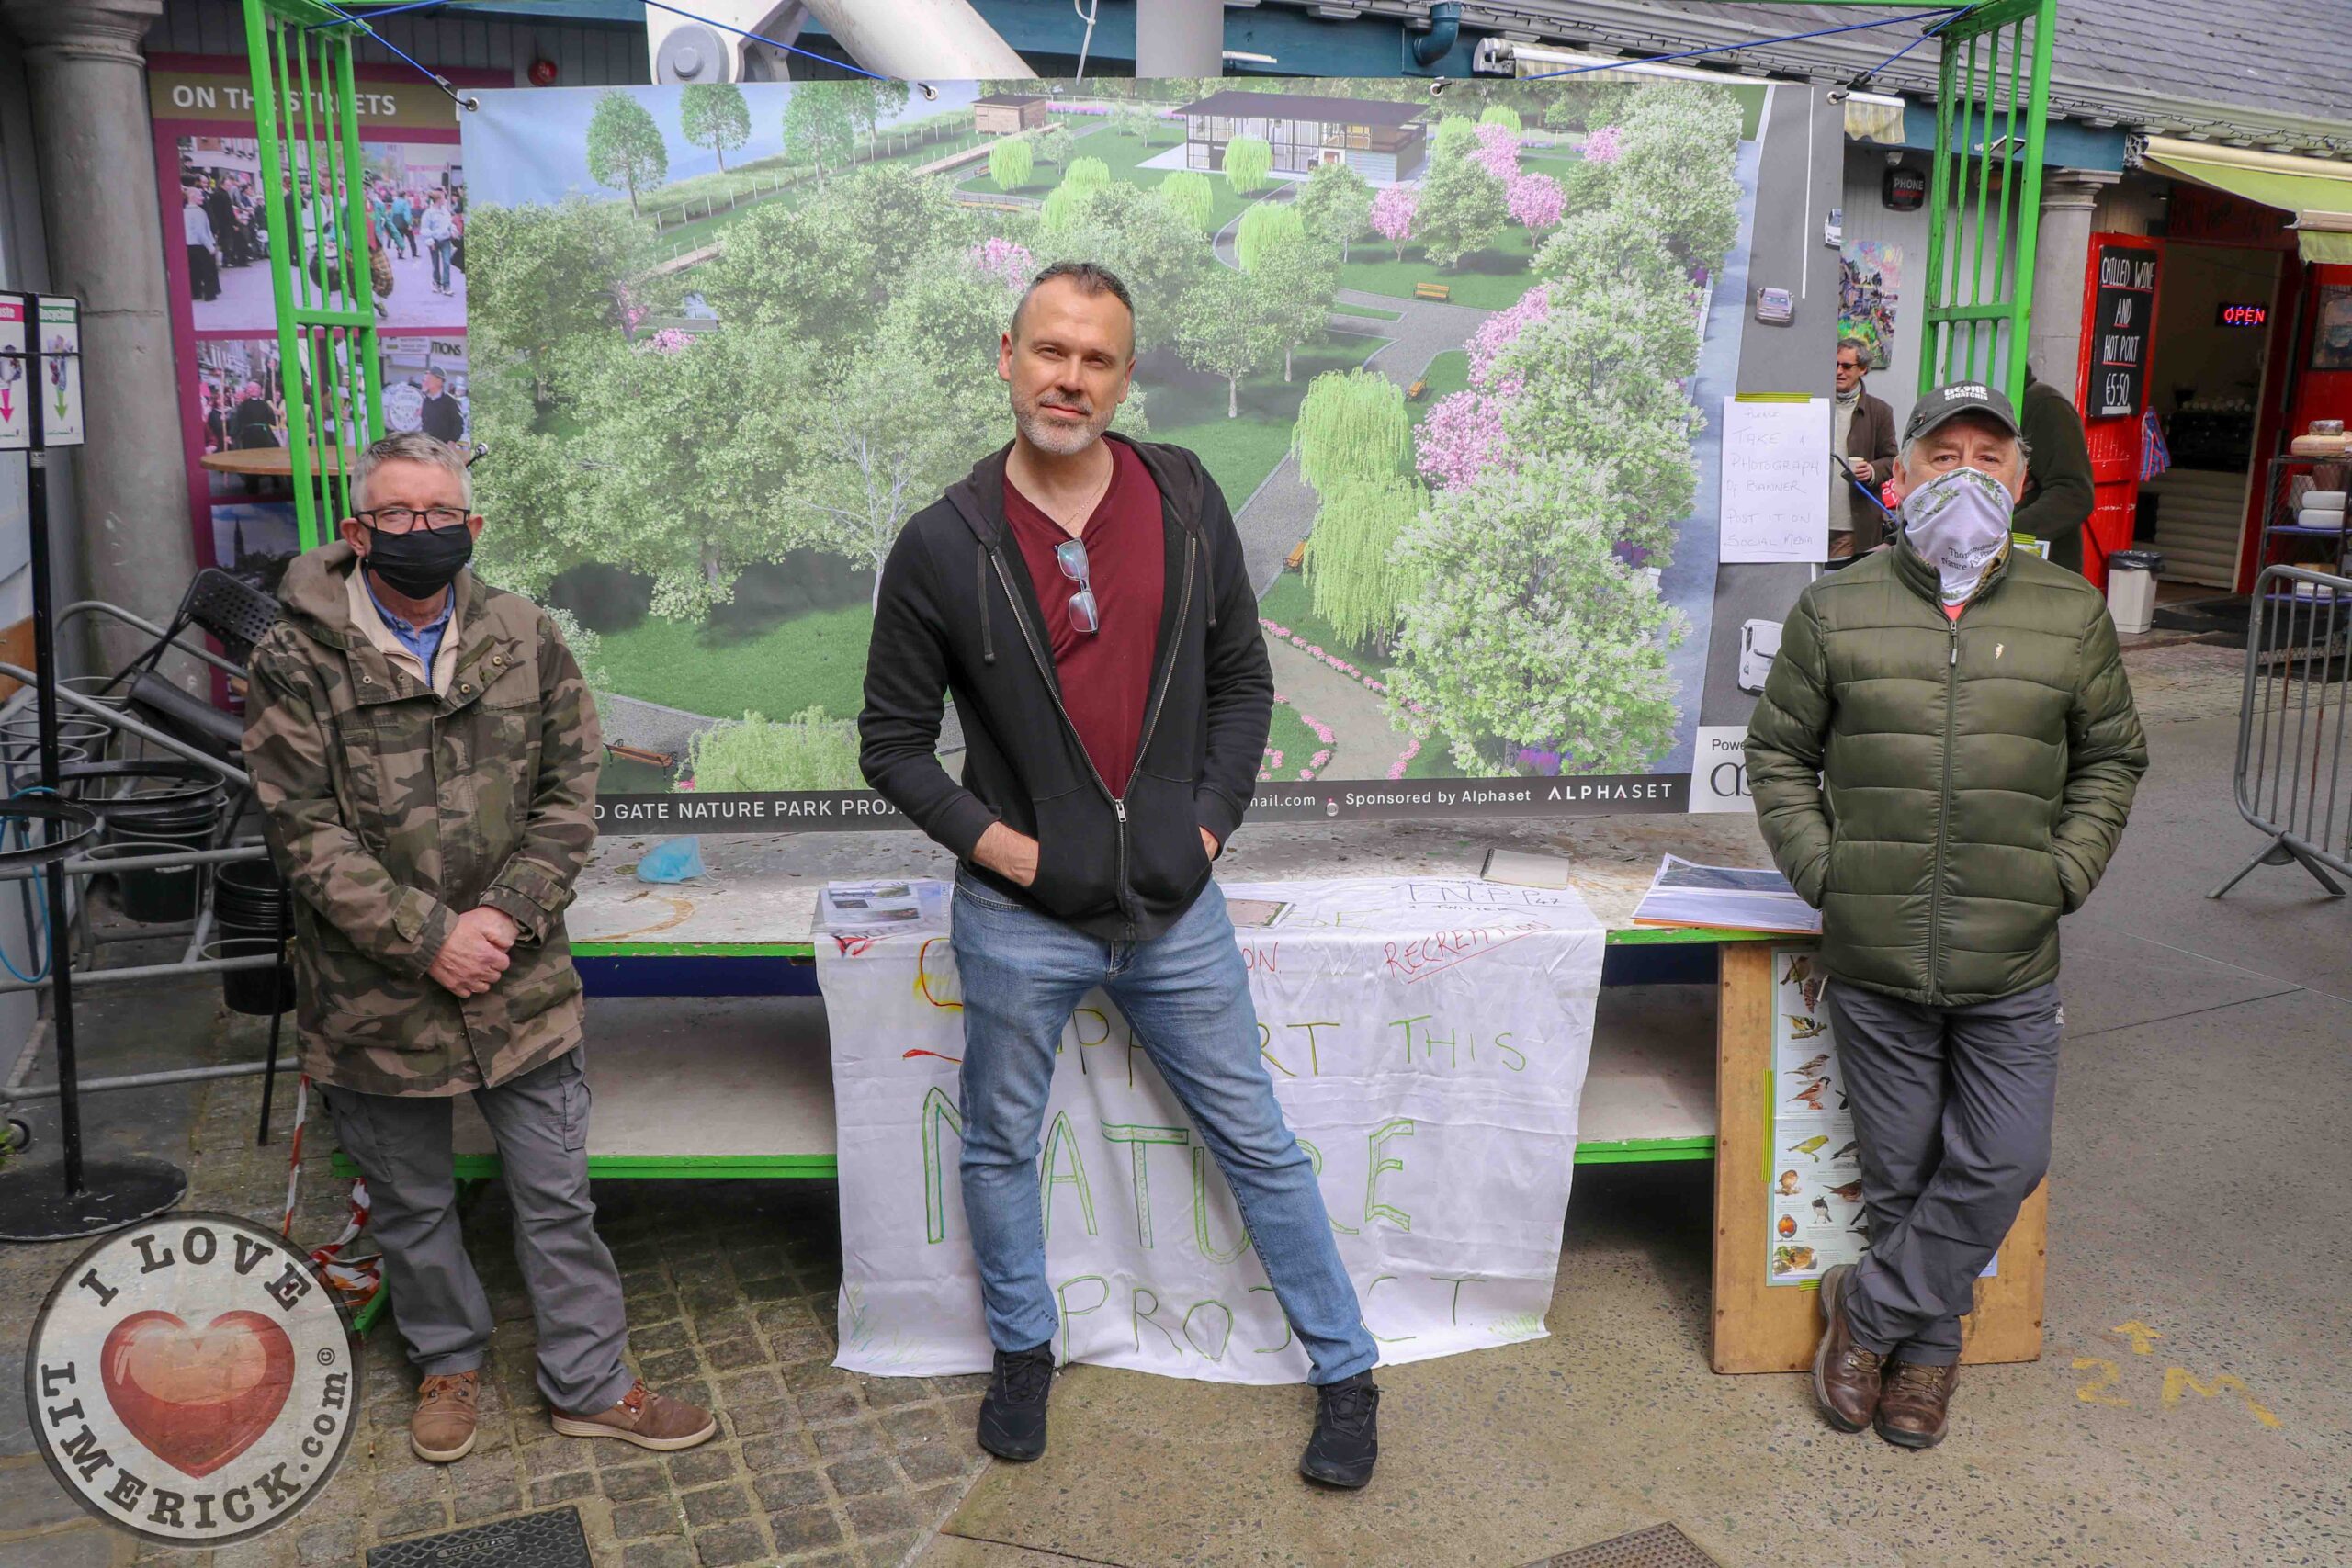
{"points": [[426, 753]]}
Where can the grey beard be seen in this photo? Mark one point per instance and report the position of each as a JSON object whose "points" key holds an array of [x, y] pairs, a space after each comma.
{"points": [[1063, 441]]}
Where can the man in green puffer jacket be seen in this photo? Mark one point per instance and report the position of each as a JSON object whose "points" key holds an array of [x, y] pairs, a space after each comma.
{"points": [[1943, 762]]}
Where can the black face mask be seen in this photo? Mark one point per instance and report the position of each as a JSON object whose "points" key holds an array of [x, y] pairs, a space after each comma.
{"points": [[423, 561]]}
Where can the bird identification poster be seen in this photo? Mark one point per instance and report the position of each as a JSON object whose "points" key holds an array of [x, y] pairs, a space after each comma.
{"points": [[1427, 1039]]}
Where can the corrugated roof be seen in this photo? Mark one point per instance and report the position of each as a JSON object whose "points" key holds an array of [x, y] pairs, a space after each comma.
{"points": [[1305, 106]]}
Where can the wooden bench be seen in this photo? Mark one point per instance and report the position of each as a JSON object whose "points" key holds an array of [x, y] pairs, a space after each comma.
{"points": [[1293, 561], [1413, 393], [1440, 291]]}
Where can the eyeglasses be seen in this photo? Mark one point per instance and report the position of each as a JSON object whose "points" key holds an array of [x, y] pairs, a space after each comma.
{"points": [[1851, 366], [401, 519], [1070, 556]]}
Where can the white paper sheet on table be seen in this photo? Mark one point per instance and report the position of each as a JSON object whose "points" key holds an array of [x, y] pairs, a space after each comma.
{"points": [[1428, 1039]]}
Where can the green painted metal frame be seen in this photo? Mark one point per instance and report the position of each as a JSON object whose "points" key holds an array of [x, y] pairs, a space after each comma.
{"points": [[306, 116], [1976, 315]]}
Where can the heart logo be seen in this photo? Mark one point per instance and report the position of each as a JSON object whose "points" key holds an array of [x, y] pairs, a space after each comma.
{"points": [[198, 1398]]}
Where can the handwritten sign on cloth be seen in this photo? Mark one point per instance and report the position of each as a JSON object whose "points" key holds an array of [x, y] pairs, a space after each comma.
{"points": [[1427, 1040], [1776, 461]]}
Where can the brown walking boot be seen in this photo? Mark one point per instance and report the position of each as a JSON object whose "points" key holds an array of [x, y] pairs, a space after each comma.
{"points": [[1845, 1376], [1917, 1401], [649, 1420], [441, 1428]]}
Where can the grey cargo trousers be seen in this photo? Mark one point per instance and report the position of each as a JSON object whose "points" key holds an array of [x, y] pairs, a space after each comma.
{"points": [[1952, 1109], [540, 1121]]}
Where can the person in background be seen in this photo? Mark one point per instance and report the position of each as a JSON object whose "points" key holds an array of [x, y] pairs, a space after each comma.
{"points": [[1862, 431], [1943, 761], [254, 421], [441, 416], [2058, 494], [431, 867], [1084, 599], [405, 224], [439, 234], [203, 262]]}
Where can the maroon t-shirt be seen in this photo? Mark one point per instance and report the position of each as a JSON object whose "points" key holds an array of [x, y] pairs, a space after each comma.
{"points": [[1106, 674]]}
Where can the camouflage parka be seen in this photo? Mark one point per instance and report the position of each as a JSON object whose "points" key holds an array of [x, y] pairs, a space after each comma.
{"points": [[392, 809]]}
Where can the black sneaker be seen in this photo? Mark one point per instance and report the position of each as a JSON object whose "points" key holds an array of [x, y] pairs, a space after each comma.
{"points": [[1012, 1416], [1347, 1433]]}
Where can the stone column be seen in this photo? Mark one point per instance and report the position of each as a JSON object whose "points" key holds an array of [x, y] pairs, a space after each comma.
{"points": [[96, 157], [2062, 252], [1179, 38]]}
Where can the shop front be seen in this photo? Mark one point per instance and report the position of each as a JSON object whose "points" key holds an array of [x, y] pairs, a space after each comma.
{"points": [[2216, 349]]}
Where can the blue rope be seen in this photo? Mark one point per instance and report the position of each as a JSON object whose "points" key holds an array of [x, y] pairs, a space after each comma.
{"points": [[435, 77], [44, 947], [1914, 43], [443, 82], [1946, 13]]}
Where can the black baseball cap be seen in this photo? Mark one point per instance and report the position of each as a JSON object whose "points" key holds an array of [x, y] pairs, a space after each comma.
{"points": [[1956, 398]]}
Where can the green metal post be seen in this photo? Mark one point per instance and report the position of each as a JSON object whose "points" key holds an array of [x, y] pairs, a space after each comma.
{"points": [[2037, 125]]}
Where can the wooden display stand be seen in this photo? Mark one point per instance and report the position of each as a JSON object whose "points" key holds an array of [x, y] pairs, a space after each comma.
{"points": [[1763, 1327]]}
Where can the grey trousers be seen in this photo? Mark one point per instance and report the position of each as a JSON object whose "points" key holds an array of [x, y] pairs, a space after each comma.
{"points": [[1952, 1109], [540, 1121]]}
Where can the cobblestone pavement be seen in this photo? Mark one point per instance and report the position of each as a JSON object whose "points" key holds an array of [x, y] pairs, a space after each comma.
{"points": [[731, 1290]]}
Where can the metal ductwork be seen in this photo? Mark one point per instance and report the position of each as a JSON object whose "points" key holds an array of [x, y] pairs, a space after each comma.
{"points": [[917, 40]]}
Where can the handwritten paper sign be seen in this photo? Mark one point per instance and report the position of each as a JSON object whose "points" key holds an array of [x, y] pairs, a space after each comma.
{"points": [[1427, 1039], [1776, 480]]}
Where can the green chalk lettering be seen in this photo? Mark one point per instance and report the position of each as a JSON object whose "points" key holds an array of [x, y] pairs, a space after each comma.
{"points": [[1502, 1043], [1457, 1281], [1224, 1334], [1374, 1208], [1078, 1032], [1271, 1350], [1137, 1317], [1265, 1037], [1051, 1175], [1314, 1159], [1406, 1025], [1209, 1249], [1139, 1141], [1314, 1056], [1061, 1299], [938, 1110]]}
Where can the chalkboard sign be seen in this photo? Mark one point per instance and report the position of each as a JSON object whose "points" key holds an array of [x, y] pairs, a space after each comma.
{"points": [[2123, 317]]}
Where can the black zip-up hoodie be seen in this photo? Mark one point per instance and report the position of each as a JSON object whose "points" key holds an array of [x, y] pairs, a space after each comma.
{"points": [[1120, 859]]}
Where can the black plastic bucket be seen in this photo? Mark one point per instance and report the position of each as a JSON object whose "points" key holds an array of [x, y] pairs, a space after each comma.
{"points": [[155, 895], [258, 991]]}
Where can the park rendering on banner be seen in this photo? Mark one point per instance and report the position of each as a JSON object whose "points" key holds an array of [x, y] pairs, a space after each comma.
{"points": [[1457, 364]]}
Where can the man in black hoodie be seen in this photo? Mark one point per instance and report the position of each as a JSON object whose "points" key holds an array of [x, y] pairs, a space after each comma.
{"points": [[1084, 598]]}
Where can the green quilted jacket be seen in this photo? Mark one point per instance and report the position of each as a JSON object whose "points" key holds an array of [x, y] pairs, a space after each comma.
{"points": [[1943, 791]]}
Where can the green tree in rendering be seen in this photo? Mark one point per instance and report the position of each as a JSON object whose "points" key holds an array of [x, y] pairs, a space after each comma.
{"points": [[1351, 425], [1221, 330], [1249, 163], [1335, 204], [818, 130], [1504, 116], [1010, 161], [1187, 192], [539, 279], [625, 147], [1293, 276], [1524, 629], [1086, 173], [713, 115], [1354, 566], [1263, 226], [1463, 207]]}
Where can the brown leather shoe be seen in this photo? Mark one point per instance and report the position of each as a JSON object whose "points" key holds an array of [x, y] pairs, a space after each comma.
{"points": [[1918, 1400], [441, 1428], [649, 1420], [1845, 1376]]}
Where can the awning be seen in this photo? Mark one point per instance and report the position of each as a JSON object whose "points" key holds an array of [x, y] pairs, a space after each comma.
{"points": [[2318, 192]]}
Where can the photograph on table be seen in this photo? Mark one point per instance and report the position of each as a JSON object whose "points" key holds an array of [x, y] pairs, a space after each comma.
{"points": [[1456, 365], [240, 392], [415, 204]]}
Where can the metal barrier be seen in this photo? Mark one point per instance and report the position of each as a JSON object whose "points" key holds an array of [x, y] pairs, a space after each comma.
{"points": [[2289, 778]]}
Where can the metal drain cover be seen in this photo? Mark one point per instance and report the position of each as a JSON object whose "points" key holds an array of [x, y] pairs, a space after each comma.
{"points": [[551, 1540], [1660, 1546]]}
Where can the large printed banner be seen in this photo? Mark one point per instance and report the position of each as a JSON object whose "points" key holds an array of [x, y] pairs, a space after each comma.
{"points": [[1427, 1040], [1456, 364]]}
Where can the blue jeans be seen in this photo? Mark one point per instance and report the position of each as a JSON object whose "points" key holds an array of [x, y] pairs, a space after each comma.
{"points": [[1186, 995], [441, 249]]}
